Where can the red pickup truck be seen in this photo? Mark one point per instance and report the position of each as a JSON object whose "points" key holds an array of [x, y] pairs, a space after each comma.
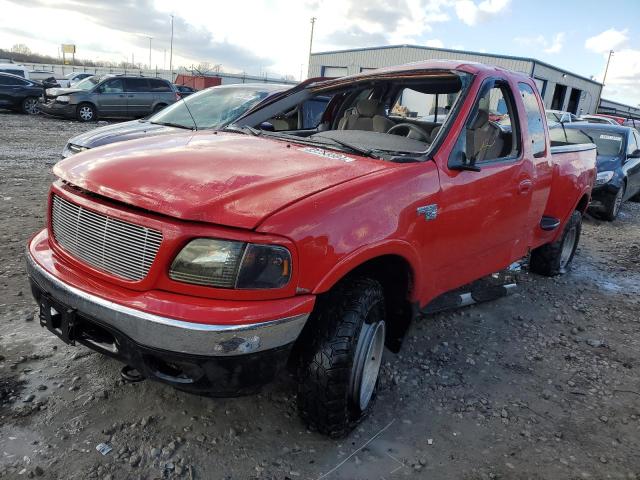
{"points": [[208, 260]]}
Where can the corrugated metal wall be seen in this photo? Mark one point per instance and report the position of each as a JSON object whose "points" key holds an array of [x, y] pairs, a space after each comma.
{"points": [[590, 92], [357, 60]]}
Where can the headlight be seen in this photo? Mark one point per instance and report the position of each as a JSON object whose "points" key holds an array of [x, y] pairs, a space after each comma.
{"points": [[62, 99], [603, 177], [230, 264], [70, 149]]}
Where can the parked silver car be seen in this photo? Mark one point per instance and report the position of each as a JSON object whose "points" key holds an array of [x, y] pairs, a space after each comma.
{"points": [[110, 96]]}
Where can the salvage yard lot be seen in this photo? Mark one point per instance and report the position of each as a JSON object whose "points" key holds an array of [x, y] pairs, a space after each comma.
{"points": [[542, 384]]}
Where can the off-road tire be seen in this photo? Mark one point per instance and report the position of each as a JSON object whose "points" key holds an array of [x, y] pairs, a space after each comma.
{"points": [[29, 106], [325, 368], [81, 114], [547, 259]]}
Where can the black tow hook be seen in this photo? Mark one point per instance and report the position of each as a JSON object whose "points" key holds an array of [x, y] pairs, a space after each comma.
{"points": [[131, 375]]}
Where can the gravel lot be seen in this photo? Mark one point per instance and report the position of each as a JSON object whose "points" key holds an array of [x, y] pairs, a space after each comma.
{"points": [[542, 384]]}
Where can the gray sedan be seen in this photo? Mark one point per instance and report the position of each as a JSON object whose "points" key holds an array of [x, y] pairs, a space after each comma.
{"points": [[212, 108]]}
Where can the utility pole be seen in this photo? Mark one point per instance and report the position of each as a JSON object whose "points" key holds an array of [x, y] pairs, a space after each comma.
{"points": [[171, 52], [150, 52], [313, 23], [604, 79]]}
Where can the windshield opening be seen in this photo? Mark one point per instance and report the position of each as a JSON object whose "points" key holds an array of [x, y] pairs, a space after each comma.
{"points": [[211, 108], [377, 117]]}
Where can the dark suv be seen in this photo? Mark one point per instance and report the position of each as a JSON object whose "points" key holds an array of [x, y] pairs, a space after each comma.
{"points": [[111, 96]]}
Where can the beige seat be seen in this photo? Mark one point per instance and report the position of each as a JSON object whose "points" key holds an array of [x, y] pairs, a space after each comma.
{"points": [[484, 139], [368, 115]]}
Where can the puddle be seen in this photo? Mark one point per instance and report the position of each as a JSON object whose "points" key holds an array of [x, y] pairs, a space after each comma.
{"points": [[622, 282]]}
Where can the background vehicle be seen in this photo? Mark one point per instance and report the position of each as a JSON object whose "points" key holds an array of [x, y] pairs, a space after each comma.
{"points": [[558, 116], [618, 163], [20, 94], [211, 108], [221, 256], [185, 91], [72, 78], [15, 69], [598, 119], [617, 119], [117, 96]]}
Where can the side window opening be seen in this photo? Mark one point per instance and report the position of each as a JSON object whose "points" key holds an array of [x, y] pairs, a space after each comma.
{"points": [[535, 126], [491, 132]]}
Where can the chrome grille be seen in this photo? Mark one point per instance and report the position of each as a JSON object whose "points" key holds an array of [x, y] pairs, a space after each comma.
{"points": [[117, 247]]}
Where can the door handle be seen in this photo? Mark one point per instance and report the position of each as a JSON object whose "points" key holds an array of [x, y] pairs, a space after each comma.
{"points": [[524, 186], [130, 96], [121, 96]]}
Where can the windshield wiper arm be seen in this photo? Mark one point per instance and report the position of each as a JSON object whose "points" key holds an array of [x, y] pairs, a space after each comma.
{"points": [[354, 148], [169, 124], [244, 129]]}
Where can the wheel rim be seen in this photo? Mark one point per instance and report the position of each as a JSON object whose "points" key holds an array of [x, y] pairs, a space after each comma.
{"points": [[567, 246], [367, 361], [86, 113], [617, 202], [31, 106]]}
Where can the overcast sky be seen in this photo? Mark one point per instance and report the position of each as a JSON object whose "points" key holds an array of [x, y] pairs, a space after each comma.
{"points": [[273, 35]]}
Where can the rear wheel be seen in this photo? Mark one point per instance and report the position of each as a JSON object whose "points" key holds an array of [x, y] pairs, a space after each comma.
{"points": [[159, 107], [338, 372], [555, 258], [30, 106], [86, 112]]}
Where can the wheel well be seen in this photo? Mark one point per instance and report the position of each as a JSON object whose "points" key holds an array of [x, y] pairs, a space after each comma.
{"points": [[583, 203], [396, 277]]}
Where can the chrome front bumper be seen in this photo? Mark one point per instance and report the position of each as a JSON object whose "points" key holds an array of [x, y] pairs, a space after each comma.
{"points": [[166, 333]]}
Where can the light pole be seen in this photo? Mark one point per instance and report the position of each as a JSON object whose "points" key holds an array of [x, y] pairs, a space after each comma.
{"points": [[171, 51], [604, 79], [313, 23], [149, 51]]}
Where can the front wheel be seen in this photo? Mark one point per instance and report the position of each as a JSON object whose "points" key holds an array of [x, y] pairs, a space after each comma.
{"points": [[86, 112], [555, 258], [613, 207], [338, 372], [30, 106]]}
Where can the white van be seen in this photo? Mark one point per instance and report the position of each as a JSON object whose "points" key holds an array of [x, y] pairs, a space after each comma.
{"points": [[15, 69]]}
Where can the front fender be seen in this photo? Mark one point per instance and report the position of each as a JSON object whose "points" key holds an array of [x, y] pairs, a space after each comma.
{"points": [[398, 248]]}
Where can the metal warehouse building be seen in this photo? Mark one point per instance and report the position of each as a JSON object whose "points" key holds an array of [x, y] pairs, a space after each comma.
{"points": [[560, 89]]}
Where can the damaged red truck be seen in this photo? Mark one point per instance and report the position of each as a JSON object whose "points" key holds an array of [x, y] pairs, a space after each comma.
{"points": [[209, 260]]}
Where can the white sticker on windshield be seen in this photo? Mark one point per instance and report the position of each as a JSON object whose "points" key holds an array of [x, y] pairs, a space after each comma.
{"points": [[611, 137], [327, 154]]}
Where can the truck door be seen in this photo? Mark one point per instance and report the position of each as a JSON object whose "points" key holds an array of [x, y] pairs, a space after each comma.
{"points": [[483, 214]]}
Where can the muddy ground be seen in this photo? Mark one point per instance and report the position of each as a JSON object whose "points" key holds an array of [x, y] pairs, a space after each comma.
{"points": [[544, 384]]}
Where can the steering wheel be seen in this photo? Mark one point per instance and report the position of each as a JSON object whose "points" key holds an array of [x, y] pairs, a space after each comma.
{"points": [[410, 130]]}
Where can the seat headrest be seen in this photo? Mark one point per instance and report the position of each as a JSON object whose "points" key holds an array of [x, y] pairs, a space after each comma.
{"points": [[434, 133], [368, 108], [482, 118]]}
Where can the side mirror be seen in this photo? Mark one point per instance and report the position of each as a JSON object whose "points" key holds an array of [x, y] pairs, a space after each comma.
{"points": [[267, 127], [634, 154], [565, 118], [464, 163]]}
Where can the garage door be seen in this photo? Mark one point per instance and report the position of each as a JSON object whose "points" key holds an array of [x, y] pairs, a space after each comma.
{"points": [[334, 71]]}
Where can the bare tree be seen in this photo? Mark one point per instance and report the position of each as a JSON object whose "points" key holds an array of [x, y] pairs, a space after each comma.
{"points": [[21, 48]]}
